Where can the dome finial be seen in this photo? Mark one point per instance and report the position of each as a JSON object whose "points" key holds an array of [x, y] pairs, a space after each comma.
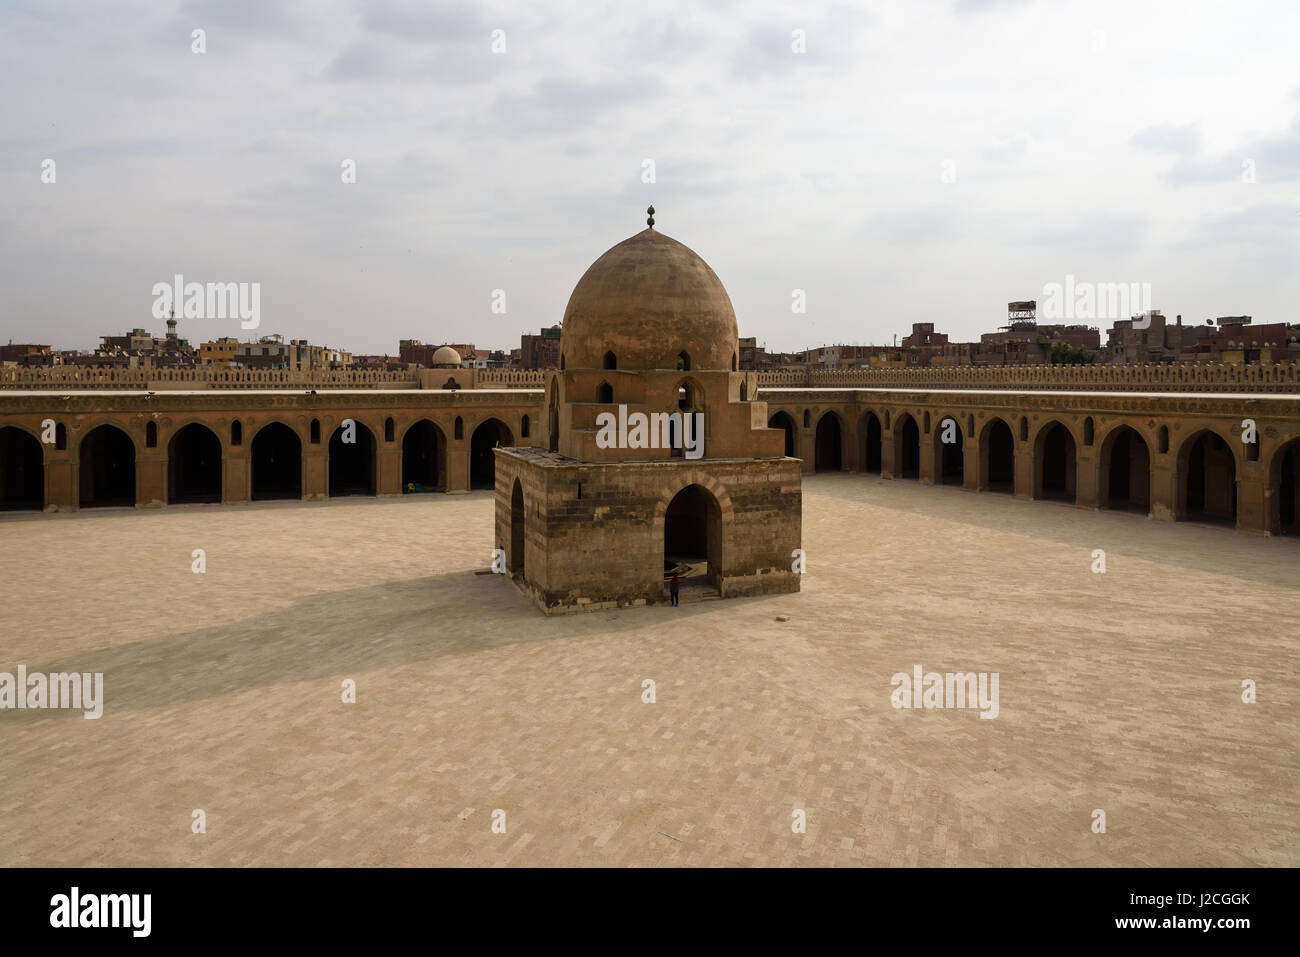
{"points": [[650, 220]]}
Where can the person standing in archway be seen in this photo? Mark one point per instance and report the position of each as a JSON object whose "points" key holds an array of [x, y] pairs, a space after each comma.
{"points": [[672, 589]]}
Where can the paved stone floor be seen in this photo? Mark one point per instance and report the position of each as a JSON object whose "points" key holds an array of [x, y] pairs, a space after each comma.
{"points": [[1118, 691]]}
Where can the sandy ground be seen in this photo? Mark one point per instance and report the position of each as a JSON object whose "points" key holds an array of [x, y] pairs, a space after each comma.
{"points": [[1118, 691]]}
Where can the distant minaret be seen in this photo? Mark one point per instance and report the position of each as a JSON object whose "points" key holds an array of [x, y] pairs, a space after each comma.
{"points": [[171, 324]]}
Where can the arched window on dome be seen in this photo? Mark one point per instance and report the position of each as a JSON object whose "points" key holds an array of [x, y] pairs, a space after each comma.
{"points": [[605, 394], [611, 361], [683, 362], [735, 363]]}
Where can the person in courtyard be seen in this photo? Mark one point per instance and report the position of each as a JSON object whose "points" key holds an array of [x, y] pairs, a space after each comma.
{"points": [[672, 588]]}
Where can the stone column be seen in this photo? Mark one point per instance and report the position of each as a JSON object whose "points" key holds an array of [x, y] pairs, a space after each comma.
{"points": [[1164, 488], [236, 474], [1024, 452], [970, 464], [1254, 497], [150, 477], [315, 470], [807, 439], [1088, 477], [389, 479], [61, 491], [458, 465], [853, 440], [930, 453], [887, 450]]}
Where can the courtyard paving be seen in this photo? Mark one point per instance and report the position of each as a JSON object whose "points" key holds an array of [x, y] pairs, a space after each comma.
{"points": [[1118, 691]]}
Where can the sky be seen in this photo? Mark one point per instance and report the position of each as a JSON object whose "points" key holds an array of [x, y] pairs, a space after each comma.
{"points": [[893, 162]]}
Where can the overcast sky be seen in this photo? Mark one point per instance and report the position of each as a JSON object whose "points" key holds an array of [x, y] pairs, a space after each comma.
{"points": [[1100, 139]]}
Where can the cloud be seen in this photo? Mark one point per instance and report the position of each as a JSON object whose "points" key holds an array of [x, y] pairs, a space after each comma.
{"points": [[1270, 159], [1271, 225], [982, 6], [1169, 139], [919, 224], [1099, 232]]}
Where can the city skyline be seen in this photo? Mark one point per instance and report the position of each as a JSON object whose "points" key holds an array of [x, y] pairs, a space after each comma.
{"points": [[854, 171]]}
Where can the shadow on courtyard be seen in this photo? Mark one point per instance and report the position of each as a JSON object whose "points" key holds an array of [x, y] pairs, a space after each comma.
{"points": [[342, 634]]}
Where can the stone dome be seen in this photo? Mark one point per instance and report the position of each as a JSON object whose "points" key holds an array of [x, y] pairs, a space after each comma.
{"points": [[446, 356], [648, 300]]}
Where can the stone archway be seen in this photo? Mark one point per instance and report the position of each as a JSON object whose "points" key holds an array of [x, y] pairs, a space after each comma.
{"points": [[949, 456], [997, 458], [1284, 479], [276, 463], [352, 463], [1055, 463], [1124, 471], [829, 450], [872, 443], [194, 465], [22, 470], [424, 458], [518, 530], [107, 468], [785, 422], [907, 447], [1207, 479], [482, 460], [693, 539]]}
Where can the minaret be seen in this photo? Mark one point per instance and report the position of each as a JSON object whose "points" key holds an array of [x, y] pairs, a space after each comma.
{"points": [[171, 324]]}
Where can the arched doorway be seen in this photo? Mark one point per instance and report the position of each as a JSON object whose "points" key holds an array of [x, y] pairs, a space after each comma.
{"points": [[277, 463], [783, 421], [907, 447], [518, 523], [998, 458], [352, 463], [107, 470], [693, 540], [1125, 477], [1055, 463], [22, 470], [194, 465], [1207, 479], [829, 450], [1284, 477], [482, 460], [871, 436], [424, 458], [950, 455]]}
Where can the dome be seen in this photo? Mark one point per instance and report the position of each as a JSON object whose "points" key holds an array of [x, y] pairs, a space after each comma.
{"points": [[446, 356], [649, 300]]}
